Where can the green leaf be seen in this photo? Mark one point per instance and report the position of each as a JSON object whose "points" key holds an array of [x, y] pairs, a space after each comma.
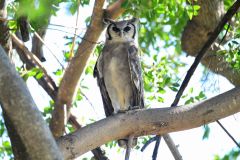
{"points": [[39, 75], [2, 129], [173, 89], [125, 4], [175, 85], [160, 99], [161, 90], [59, 72], [190, 100], [206, 132]]}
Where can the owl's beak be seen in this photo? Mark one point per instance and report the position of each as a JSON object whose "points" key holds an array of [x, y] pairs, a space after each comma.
{"points": [[121, 33]]}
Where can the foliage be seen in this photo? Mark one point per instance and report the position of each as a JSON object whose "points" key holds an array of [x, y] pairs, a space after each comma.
{"points": [[232, 54], [159, 39], [232, 155], [5, 145], [34, 72], [158, 22], [160, 76], [206, 132]]}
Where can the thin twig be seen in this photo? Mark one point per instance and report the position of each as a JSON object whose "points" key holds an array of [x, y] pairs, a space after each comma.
{"points": [[228, 27], [40, 38], [75, 32], [226, 131], [129, 145], [100, 42], [63, 26], [155, 150], [170, 145], [148, 142]]}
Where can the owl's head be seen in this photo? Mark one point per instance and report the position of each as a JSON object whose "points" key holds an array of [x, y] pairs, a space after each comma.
{"points": [[121, 31]]}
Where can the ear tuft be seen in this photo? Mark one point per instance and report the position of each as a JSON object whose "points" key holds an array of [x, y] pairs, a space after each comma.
{"points": [[108, 21], [134, 20]]}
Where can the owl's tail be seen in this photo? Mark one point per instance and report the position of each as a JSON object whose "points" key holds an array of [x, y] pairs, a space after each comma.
{"points": [[128, 143], [124, 142]]}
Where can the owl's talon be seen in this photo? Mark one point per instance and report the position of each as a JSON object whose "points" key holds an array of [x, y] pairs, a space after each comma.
{"points": [[121, 111], [135, 107]]}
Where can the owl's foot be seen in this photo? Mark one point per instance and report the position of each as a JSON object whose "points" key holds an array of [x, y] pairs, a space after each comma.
{"points": [[134, 107], [122, 111]]}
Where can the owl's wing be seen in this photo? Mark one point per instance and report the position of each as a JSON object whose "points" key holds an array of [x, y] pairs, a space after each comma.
{"points": [[136, 76], [108, 108]]}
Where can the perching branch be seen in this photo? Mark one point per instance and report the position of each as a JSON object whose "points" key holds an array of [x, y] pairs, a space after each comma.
{"points": [[69, 83], [149, 121], [19, 106]]}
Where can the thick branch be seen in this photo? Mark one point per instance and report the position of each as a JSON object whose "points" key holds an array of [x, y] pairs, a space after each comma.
{"points": [[22, 111], [115, 10], [150, 121], [69, 83]]}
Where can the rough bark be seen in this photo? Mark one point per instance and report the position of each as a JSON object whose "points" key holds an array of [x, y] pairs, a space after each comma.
{"points": [[18, 147], [149, 121], [22, 111], [5, 40], [198, 30], [69, 83]]}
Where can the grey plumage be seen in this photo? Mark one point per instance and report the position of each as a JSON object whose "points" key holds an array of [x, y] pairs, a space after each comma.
{"points": [[118, 70]]}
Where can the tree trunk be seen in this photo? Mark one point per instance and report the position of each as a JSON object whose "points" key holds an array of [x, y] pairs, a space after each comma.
{"points": [[19, 106]]}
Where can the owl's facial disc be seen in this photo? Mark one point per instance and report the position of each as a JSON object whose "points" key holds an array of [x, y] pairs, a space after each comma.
{"points": [[121, 31]]}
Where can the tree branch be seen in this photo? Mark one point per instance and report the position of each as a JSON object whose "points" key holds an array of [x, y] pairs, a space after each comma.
{"points": [[69, 83], [35, 60], [149, 121], [172, 147], [22, 111], [115, 10]]}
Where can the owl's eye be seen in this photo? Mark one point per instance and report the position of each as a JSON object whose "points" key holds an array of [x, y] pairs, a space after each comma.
{"points": [[126, 29], [115, 29]]}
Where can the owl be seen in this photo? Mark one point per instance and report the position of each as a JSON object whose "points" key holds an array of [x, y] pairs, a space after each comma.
{"points": [[118, 70]]}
